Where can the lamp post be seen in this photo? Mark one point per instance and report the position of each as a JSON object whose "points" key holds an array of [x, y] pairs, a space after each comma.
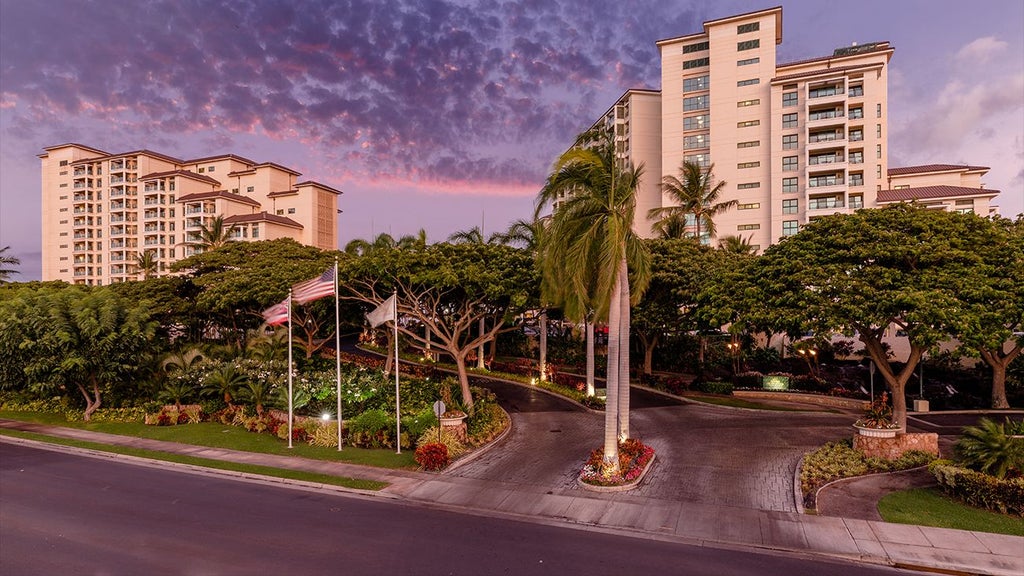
{"points": [[871, 370]]}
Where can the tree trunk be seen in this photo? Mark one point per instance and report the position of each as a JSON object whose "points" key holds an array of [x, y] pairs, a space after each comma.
{"points": [[543, 346], [649, 345], [623, 351], [590, 358], [897, 382], [610, 464], [480, 349], [467, 396], [92, 403], [999, 362]]}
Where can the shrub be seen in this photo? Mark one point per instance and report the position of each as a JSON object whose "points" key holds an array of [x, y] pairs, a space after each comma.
{"points": [[416, 424], [748, 379], [980, 490], [989, 450], [715, 387], [325, 435], [432, 456], [837, 460], [455, 446], [372, 429], [486, 423]]}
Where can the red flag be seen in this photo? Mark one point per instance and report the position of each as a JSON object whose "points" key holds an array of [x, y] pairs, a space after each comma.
{"points": [[276, 314], [310, 290]]}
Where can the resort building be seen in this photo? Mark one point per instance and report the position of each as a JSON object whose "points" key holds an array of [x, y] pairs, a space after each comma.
{"points": [[792, 141], [101, 212]]}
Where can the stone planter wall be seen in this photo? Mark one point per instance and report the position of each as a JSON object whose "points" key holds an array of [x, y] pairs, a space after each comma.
{"points": [[893, 448], [819, 399]]}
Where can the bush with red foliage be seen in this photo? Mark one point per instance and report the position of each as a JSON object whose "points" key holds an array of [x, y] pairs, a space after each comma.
{"points": [[432, 456]]}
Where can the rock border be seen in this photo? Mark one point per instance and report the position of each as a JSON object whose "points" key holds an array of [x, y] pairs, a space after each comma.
{"points": [[621, 487]]}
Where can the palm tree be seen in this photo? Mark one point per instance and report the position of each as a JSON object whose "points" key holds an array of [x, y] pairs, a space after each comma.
{"points": [[146, 264], [737, 245], [696, 197], [184, 361], [672, 226], [6, 263], [216, 234], [225, 381], [416, 241], [591, 247], [359, 247], [474, 236]]}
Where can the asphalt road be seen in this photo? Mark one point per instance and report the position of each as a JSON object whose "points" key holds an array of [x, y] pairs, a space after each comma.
{"points": [[68, 514]]}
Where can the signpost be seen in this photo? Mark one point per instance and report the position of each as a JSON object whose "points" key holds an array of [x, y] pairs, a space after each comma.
{"points": [[871, 369], [439, 409]]}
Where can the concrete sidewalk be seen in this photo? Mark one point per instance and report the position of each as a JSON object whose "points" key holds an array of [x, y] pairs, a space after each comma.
{"points": [[916, 547]]}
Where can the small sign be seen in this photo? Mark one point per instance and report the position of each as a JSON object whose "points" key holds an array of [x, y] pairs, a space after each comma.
{"points": [[439, 408]]}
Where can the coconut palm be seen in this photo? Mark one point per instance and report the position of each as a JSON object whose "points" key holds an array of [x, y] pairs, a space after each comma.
{"points": [[474, 236], [737, 245], [696, 194], [416, 241], [216, 234], [360, 247], [6, 265], [590, 249], [146, 264]]}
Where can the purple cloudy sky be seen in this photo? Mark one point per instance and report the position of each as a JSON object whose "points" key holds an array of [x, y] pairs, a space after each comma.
{"points": [[446, 114]]}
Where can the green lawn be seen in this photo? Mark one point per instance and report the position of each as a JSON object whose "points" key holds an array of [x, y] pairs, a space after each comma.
{"points": [[204, 462], [930, 507], [734, 402], [216, 435]]}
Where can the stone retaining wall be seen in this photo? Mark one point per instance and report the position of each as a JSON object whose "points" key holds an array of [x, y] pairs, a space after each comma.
{"points": [[893, 448], [819, 399]]}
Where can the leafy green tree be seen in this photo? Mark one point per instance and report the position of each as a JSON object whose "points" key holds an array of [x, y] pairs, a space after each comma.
{"points": [[696, 194], [991, 323], [91, 341], [447, 288], [7, 265], [592, 248], [863, 273]]}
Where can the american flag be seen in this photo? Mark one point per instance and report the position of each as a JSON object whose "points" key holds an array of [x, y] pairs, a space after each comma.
{"points": [[276, 314], [322, 285]]}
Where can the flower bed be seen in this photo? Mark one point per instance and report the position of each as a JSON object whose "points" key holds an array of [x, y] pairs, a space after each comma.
{"points": [[837, 460], [634, 456]]}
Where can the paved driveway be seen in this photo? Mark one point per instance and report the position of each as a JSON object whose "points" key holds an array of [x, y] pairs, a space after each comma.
{"points": [[705, 454]]}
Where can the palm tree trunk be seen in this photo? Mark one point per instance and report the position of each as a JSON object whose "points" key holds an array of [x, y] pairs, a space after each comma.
{"points": [[480, 350], [623, 350], [590, 357], [543, 346], [610, 463]]}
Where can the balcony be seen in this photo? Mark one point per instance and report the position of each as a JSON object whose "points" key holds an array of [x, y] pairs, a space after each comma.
{"points": [[82, 171], [154, 188], [856, 202], [826, 203], [116, 180], [831, 161], [818, 141], [150, 214], [832, 92], [117, 231], [115, 244], [153, 228], [823, 118]]}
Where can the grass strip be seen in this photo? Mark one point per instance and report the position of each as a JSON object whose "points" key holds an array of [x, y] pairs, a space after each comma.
{"points": [[931, 507], [204, 462], [741, 403]]}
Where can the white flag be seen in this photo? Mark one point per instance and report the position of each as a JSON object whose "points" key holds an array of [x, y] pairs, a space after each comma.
{"points": [[383, 313]]}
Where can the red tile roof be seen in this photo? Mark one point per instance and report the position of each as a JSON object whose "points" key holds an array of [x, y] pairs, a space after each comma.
{"points": [[142, 152], [318, 185], [930, 192], [262, 217], [183, 173], [219, 194], [282, 193], [925, 168]]}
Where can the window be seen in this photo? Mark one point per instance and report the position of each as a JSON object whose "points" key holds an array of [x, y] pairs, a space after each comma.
{"points": [[856, 135], [857, 157], [201, 170], [249, 188], [696, 63], [752, 27], [695, 84], [291, 210], [748, 45], [856, 201], [63, 162], [697, 122], [745, 103], [790, 206], [743, 165], [749, 227], [789, 164], [967, 202], [210, 169], [789, 120], [63, 209], [790, 227], [748, 123], [878, 110], [698, 47], [878, 151], [280, 211], [790, 142], [750, 82], [64, 185], [748, 185], [827, 180], [751, 144], [878, 130], [702, 160], [748, 61], [856, 91], [698, 141], [696, 103], [857, 112], [750, 206], [878, 171], [789, 99], [255, 230]]}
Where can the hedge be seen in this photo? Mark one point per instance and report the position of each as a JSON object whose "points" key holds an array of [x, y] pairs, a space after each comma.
{"points": [[980, 490]]}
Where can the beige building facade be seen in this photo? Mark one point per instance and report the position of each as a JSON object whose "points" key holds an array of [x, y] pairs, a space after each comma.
{"points": [[793, 141], [102, 211]]}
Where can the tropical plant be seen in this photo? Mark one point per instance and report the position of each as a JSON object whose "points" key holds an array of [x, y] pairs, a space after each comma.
{"points": [[175, 391], [591, 250], [224, 381], [696, 195], [257, 393], [878, 414], [182, 361], [737, 244], [7, 264], [146, 264], [988, 449], [216, 234]]}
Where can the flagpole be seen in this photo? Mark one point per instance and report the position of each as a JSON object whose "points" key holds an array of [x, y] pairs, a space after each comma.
{"points": [[289, 367], [398, 411], [337, 347]]}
